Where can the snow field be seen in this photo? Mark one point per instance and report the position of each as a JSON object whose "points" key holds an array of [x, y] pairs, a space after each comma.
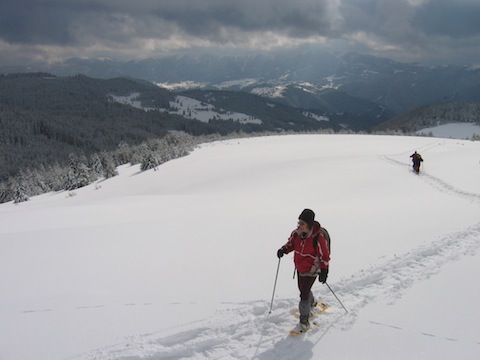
{"points": [[180, 263]]}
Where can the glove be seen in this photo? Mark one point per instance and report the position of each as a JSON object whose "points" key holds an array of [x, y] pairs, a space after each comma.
{"points": [[323, 276], [280, 252]]}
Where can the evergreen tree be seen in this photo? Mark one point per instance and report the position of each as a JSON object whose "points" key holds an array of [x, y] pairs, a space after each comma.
{"points": [[149, 162], [123, 154], [78, 174], [96, 166], [20, 194], [108, 166], [33, 182], [83, 173], [4, 193], [54, 177]]}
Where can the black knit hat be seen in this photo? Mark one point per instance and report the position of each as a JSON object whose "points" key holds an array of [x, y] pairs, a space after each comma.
{"points": [[308, 216]]}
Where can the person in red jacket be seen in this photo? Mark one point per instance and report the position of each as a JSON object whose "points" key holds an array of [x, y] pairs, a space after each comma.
{"points": [[311, 258]]}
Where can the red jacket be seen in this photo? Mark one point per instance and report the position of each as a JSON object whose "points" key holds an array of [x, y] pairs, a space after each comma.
{"points": [[307, 258]]}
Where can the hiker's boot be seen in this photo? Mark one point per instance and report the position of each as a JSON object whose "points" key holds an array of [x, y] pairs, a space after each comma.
{"points": [[304, 325]]}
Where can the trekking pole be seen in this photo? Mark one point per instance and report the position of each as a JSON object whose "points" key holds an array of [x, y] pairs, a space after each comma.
{"points": [[336, 297], [274, 285]]}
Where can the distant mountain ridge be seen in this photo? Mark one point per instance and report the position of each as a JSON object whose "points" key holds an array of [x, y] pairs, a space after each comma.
{"points": [[393, 86], [74, 105]]}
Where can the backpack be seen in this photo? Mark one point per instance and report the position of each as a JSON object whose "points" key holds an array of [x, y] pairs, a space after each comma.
{"points": [[326, 235]]}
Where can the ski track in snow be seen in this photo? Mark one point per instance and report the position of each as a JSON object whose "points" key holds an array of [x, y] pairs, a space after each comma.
{"points": [[248, 331], [438, 183]]}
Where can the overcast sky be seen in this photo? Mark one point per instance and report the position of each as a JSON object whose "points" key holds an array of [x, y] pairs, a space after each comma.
{"points": [[426, 31]]}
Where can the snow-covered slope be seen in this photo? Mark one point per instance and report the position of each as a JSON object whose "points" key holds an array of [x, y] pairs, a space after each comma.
{"points": [[453, 130], [190, 109], [180, 263]]}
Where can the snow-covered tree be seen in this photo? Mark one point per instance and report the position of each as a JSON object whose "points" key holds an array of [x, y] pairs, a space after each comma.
{"points": [[20, 194], [78, 174], [108, 166], [4, 193], [96, 166], [150, 161]]}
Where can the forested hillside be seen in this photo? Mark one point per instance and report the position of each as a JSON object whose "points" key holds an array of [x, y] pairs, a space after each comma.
{"points": [[44, 118], [433, 115], [63, 132]]}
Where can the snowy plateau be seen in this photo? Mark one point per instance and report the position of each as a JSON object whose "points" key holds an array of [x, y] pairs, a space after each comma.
{"points": [[180, 263]]}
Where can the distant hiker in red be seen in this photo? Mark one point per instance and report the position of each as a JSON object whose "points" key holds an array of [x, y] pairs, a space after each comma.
{"points": [[311, 258], [416, 159]]}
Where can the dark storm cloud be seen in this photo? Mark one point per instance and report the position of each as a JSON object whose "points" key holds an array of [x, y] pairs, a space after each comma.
{"points": [[42, 22], [139, 28], [456, 19], [414, 30], [208, 18], [384, 22], [57, 22]]}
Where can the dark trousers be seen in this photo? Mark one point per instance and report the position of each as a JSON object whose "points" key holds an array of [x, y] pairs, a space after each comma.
{"points": [[305, 284]]}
